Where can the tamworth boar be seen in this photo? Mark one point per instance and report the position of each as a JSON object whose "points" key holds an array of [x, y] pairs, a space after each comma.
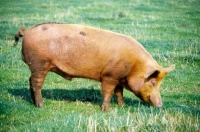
{"points": [[71, 50]]}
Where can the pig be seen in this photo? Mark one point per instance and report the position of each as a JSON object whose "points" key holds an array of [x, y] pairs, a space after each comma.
{"points": [[115, 60]]}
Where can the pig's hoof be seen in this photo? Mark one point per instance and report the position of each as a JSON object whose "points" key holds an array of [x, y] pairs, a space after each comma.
{"points": [[121, 103], [40, 105], [105, 107]]}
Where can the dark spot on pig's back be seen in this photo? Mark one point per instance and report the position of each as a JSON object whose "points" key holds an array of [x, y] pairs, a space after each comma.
{"points": [[82, 33], [44, 28]]}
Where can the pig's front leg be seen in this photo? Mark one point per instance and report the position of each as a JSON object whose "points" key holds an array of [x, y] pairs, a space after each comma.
{"points": [[108, 86], [119, 94]]}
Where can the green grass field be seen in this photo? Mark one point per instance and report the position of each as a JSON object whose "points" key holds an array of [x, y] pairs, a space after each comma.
{"points": [[168, 29]]}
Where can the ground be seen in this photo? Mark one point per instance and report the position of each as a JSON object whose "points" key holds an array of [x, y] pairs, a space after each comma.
{"points": [[169, 30]]}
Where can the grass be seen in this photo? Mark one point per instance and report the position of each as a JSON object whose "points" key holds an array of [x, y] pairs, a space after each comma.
{"points": [[169, 30]]}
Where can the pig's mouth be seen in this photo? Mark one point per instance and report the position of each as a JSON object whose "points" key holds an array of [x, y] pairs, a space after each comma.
{"points": [[151, 100], [155, 101]]}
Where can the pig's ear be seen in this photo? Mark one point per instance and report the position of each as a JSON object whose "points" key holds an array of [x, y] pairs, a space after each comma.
{"points": [[153, 73], [136, 82], [169, 69]]}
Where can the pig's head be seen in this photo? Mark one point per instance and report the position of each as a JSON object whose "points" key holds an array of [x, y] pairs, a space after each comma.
{"points": [[149, 91]]}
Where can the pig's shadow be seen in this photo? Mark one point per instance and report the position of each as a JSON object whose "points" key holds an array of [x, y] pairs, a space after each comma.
{"points": [[81, 94], [94, 96]]}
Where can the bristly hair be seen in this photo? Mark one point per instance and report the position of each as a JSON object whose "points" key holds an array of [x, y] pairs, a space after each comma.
{"points": [[48, 23]]}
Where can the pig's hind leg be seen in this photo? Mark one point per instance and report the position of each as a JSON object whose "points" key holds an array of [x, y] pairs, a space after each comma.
{"points": [[39, 70]]}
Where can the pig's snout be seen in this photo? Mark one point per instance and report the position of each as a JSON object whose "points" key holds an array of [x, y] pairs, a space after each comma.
{"points": [[156, 101], [159, 105]]}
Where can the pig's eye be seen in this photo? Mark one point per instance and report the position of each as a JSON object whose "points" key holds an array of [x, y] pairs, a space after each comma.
{"points": [[153, 83]]}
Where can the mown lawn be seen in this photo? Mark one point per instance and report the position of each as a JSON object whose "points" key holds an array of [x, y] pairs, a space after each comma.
{"points": [[169, 30]]}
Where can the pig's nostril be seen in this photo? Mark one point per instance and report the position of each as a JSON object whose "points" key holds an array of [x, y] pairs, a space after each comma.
{"points": [[159, 105]]}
